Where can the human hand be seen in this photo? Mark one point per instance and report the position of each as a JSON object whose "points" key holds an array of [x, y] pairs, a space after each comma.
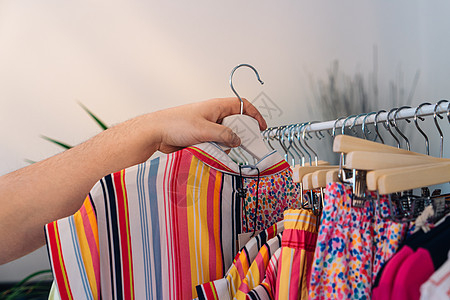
{"points": [[195, 123]]}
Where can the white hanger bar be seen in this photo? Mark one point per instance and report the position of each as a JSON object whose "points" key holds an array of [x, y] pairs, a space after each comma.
{"points": [[408, 113]]}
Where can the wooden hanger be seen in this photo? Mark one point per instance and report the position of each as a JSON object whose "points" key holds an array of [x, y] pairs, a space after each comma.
{"points": [[365, 160], [307, 182], [408, 178], [373, 176], [345, 144], [319, 178]]}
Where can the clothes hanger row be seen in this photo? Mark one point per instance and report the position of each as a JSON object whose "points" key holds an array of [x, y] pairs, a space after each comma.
{"points": [[371, 166]]}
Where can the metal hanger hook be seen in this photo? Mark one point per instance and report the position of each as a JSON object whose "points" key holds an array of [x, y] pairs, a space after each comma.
{"points": [[304, 141], [375, 123], [435, 114], [408, 146], [388, 124], [231, 82], [427, 143], [345, 121], [363, 126], [333, 133]]}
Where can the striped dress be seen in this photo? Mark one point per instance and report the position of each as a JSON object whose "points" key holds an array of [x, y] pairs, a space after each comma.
{"points": [[159, 229]]}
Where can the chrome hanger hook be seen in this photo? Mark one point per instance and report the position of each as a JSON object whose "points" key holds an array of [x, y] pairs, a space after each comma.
{"points": [[292, 143], [435, 114], [333, 133], [363, 126], [427, 143], [375, 123], [388, 124], [408, 146], [304, 140], [299, 134], [354, 121], [231, 82], [345, 121], [266, 135]]}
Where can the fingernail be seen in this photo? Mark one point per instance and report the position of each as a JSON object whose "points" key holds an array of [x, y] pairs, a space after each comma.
{"points": [[236, 141]]}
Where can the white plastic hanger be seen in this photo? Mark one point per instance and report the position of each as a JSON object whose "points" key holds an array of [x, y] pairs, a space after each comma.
{"points": [[246, 127]]}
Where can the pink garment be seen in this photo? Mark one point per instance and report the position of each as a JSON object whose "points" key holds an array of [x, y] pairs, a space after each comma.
{"points": [[415, 270], [385, 286]]}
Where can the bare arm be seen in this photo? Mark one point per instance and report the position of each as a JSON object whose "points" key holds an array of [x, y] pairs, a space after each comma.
{"points": [[56, 187]]}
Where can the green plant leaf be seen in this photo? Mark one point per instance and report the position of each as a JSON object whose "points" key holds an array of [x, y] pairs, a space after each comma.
{"points": [[29, 161], [96, 119], [61, 144]]}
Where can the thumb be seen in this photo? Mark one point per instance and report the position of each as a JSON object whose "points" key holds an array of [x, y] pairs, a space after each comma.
{"points": [[221, 134]]}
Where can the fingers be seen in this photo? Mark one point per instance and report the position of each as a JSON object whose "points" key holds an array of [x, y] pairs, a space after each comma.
{"points": [[232, 106], [220, 134]]}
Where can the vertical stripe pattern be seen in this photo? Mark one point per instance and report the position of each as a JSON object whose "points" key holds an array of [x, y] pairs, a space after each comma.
{"points": [[154, 231]]}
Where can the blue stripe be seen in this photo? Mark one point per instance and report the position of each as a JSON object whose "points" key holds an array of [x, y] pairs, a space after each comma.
{"points": [[144, 228], [153, 201], [76, 247]]}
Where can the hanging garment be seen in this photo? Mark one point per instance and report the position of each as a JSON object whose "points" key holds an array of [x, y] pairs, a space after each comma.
{"points": [[251, 258], [384, 284], [437, 287], [164, 226], [283, 275], [289, 272], [429, 257], [343, 257], [271, 191]]}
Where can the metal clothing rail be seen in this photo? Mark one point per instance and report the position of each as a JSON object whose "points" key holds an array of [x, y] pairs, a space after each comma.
{"points": [[404, 113]]}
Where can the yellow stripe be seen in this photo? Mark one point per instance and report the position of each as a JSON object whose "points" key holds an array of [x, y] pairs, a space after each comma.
{"points": [[122, 180], [218, 182], [203, 234], [273, 167], [283, 271], [61, 263], [213, 290], [300, 219], [191, 198], [86, 253]]}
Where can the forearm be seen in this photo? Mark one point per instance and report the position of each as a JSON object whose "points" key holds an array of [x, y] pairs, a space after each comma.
{"points": [[56, 187]]}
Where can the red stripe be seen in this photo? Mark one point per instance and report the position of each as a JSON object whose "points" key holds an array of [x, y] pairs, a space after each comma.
{"points": [[295, 238], [177, 188], [168, 218], [124, 227], [210, 224], [209, 290], [93, 247], [58, 269], [211, 161], [280, 167]]}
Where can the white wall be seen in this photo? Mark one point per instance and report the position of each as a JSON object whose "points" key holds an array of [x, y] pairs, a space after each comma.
{"points": [[125, 58]]}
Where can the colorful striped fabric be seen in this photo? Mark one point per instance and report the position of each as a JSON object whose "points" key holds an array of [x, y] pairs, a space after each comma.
{"points": [[289, 270], [158, 229], [260, 246], [274, 273]]}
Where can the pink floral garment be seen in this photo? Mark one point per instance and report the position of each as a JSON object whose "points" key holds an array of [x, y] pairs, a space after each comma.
{"points": [[276, 194], [343, 258], [352, 246]]}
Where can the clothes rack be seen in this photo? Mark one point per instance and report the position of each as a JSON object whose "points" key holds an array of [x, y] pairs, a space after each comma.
{"points": [[407, 113]]}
